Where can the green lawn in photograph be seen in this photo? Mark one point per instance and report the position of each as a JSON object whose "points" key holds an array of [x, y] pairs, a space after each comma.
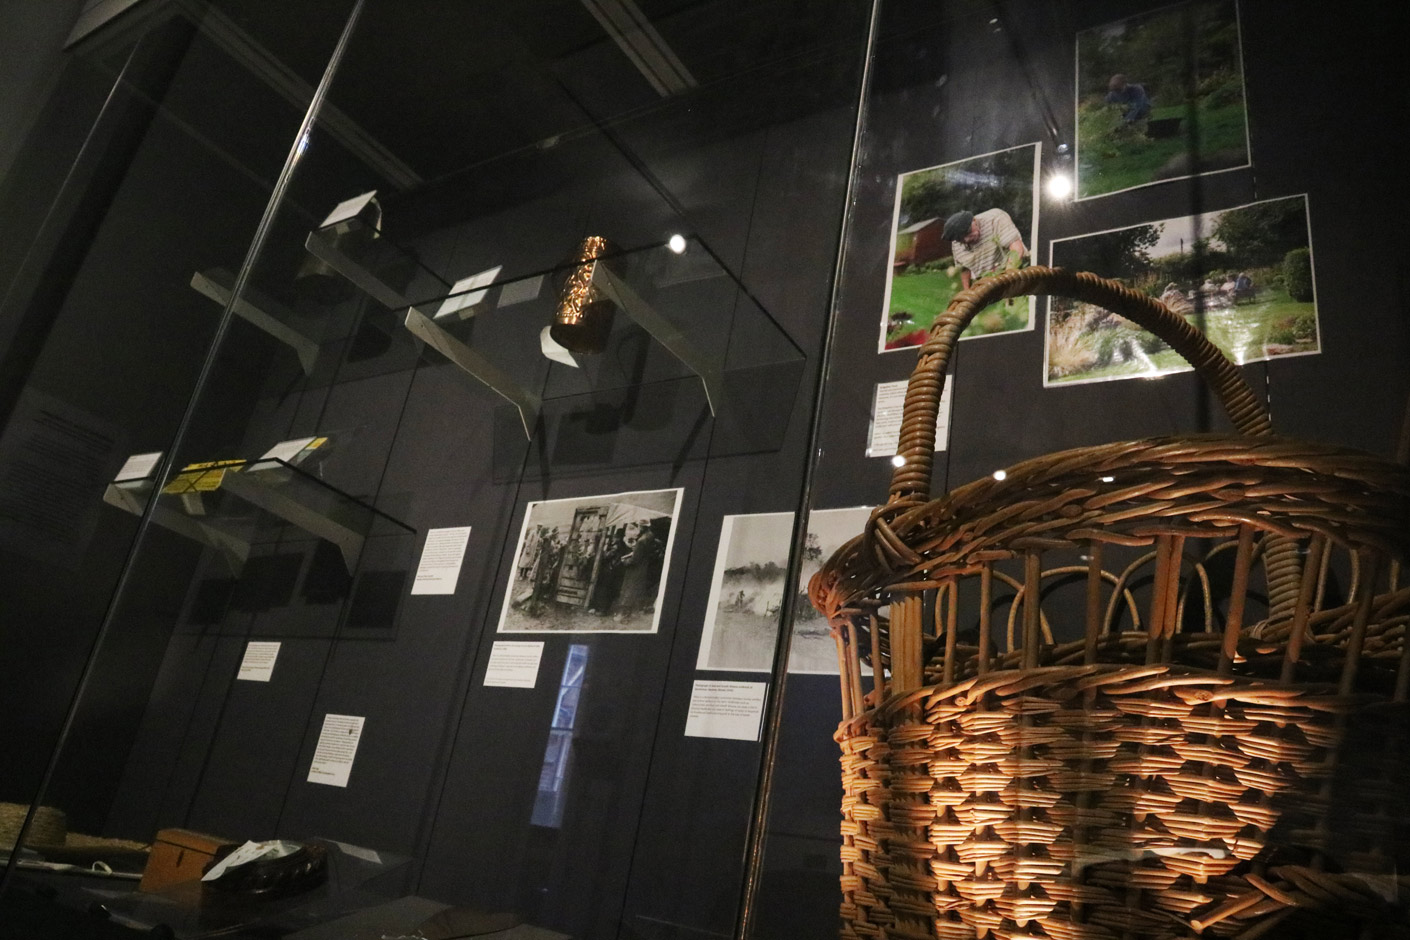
{"points": [[1245, 333], [1113, 158], [926, 294]]}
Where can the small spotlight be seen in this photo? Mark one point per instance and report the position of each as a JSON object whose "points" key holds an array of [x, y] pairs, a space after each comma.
{"points": [[1059, 186], [1108, 479], [1001, 474], [898, 461], [677, 244]]}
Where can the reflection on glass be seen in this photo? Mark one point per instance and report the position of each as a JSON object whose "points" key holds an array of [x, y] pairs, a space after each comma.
{"points": [[553, 778]]}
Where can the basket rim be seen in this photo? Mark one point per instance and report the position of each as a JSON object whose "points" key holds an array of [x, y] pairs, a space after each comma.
{"points": [[852, 573]]}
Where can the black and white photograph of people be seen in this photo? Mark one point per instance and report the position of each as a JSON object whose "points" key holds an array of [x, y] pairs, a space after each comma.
{"points": [[595, 564]]}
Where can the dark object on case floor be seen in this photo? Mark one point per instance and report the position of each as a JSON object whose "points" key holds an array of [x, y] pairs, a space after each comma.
{"points": [[274, 877]]}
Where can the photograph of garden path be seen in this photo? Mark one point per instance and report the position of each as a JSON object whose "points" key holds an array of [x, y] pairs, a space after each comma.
{"points": [[741, 620], [927, 269], [1160, 97], [1242, 276]]}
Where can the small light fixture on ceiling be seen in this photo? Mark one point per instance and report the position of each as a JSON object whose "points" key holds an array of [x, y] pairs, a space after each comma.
{"points": [[677, 243], [898, 461], [1001, 474], [1059, 185], [1108, 479]]}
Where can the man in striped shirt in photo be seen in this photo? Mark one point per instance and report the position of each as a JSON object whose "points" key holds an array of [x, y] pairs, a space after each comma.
{"points": [[984, 244]]}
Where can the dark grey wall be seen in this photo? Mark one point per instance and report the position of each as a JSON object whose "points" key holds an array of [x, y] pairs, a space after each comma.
{"points": [[122, 193], [30, 62]]}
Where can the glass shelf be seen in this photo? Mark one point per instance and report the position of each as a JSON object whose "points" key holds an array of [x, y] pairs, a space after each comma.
{"points": [[263, 312], [228, 504], [678, 314], [374, 263], [232, 546]]}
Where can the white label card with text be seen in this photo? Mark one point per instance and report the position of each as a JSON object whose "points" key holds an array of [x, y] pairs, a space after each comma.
{"points": [[347, 209], [441, 558], [138, 467], [886, 410], [288, 450], [514, 664], [258, 664], [463, 294], [733, 710], [337, 746]]}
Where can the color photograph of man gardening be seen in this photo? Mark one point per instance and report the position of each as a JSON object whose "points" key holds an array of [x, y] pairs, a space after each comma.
{"points": [[1242, 276], [1160, 97], [954, 225]]}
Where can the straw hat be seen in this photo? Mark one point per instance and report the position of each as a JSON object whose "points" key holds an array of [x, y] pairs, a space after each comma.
{"points": [[50, 827]]}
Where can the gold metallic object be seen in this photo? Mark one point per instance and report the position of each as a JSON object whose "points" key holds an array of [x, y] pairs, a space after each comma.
{"points": [[584, 317]]}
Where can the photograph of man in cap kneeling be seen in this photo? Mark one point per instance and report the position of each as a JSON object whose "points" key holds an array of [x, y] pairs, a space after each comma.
{"points": [[954, 224], [984, 244]]}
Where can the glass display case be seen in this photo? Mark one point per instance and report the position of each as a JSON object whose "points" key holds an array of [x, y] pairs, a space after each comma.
{"points": [[418, 422], [402, 563]]}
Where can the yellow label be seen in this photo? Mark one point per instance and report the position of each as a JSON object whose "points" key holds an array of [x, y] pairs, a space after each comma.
{"points": [[201, 477]]}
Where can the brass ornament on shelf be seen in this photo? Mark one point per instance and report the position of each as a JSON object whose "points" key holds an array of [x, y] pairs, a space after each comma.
{"points": [[584, 316]]}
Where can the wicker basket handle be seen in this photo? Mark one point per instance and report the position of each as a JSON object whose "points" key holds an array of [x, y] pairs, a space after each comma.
{"points": [[910, 483]]}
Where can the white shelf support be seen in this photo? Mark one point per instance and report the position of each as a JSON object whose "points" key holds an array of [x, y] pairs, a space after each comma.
{"points": [[665, 333], [216, 285], [326, 249], [232, 548], [476, 365], [260, 485]]}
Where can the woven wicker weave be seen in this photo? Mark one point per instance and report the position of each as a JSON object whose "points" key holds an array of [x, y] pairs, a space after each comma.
{"points": [[49, 828], [1197, 629]]}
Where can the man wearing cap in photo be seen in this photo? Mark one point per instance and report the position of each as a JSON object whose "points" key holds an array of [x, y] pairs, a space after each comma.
{"points": [[984, 244]]}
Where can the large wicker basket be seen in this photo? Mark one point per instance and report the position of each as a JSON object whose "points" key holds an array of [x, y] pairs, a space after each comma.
{"points": [[1202, 635]]}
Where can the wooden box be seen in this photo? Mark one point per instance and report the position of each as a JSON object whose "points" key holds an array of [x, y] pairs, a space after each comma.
{"points": [[179, 855]]}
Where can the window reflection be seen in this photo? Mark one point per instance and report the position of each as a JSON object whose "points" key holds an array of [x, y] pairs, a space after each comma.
{"points": [[553, 778]]}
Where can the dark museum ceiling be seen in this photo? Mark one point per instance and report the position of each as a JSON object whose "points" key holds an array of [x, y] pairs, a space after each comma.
{"points": [[435, 89], [474, 105]]}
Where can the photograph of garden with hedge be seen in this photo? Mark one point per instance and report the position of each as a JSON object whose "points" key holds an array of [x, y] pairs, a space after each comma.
{"points": [[1160, 97], [955, 224], [1242, 276]]}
